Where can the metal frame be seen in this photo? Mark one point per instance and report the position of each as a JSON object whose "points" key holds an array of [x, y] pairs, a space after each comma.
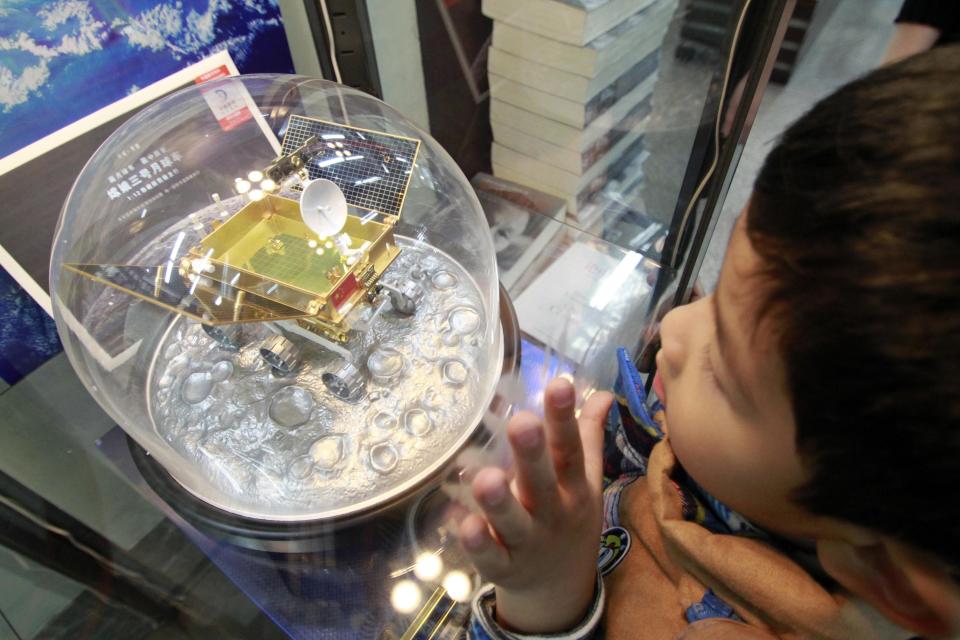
{"points": [[40, 531], [352, 42], [769, 21], [762, 33]]}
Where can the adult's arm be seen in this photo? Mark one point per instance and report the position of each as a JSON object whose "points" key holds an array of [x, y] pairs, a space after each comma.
{"points": [[919, 25]]}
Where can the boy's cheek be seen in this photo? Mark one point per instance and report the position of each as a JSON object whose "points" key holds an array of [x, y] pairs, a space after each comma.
{"points": [[704, 448], [684, 446], [684, 433]]}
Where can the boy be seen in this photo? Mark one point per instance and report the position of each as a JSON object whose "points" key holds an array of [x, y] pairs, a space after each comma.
{"points": [[812, 422]]}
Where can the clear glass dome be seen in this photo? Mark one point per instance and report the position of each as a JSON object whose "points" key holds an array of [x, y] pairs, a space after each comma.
{"points": [[284, 291]]}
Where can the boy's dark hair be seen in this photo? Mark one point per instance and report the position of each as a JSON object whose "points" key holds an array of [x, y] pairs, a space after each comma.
{"points": [[856, 215]]}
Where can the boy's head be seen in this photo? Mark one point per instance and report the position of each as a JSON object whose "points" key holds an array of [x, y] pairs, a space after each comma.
{"points": [[818, 390]]}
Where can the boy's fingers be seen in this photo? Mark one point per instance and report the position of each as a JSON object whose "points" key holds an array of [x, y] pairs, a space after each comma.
{"points": [[507, 516], [536, 479], [490, 559], [593, 416], [563, 433]]}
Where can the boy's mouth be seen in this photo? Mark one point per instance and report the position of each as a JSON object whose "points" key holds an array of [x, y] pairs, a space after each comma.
{"points": [[659, 389]]}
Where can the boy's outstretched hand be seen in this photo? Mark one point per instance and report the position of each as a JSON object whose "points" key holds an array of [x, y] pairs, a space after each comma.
{"points": [[538, 537]]}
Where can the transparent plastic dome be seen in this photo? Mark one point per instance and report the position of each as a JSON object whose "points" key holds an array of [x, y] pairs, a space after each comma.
{"points": [[285, 292]]}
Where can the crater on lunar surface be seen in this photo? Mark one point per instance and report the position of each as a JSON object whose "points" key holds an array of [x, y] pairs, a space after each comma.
{"points": [[384, 420], [291, 407], [443, 280], [196, 387], [455, 372], [384, 457], [385, 364], [417, 422], [221, 371]]}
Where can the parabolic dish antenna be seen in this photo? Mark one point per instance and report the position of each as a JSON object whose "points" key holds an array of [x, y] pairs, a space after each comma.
{"points": [[323, 207]]}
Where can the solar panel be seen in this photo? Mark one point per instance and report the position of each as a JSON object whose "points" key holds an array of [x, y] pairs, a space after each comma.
{"points": [[213, 302], [372, 169]]}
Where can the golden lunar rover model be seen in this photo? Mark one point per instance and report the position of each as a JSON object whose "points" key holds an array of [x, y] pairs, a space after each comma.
{"points": [[301, 265]]}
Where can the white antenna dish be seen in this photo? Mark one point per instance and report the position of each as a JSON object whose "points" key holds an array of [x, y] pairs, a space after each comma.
{"points": [[323, 207]]}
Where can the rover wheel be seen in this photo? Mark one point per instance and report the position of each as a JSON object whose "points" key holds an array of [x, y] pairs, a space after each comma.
{"points": [[228, 336], [406, 297], [280, 353], [346, 382]]}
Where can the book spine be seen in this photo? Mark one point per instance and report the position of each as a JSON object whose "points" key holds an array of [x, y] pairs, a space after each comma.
{"points": [[564, 135], [632, 121], [621, 86], [607, 15], [613, 173], [652, 28]]}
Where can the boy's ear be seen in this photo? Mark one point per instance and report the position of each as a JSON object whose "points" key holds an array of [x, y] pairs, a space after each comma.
{"points": [[909, 588]]}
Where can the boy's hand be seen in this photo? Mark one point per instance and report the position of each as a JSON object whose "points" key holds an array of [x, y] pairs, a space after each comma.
{"points": [[538, 538]]}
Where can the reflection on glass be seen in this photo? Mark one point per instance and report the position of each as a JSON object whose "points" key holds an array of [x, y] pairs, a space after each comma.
{"points": [[406, 596], [458, 586], [428, 566]]}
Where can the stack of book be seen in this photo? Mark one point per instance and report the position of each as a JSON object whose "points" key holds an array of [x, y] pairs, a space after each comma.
{"points": [[570, 85]]}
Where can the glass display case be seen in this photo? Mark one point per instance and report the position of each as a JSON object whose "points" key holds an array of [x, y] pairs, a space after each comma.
{"points": [[285, 357], [240, 323]]}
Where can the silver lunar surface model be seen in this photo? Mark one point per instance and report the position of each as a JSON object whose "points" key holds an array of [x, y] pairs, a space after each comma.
{"points": [[296, 314]]}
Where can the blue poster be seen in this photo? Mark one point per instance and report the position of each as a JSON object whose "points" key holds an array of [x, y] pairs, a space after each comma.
{"points": [[62, 60], [28, 336]]}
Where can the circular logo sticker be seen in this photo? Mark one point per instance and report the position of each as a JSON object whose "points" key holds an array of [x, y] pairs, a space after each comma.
{"points": [[614, 545]]}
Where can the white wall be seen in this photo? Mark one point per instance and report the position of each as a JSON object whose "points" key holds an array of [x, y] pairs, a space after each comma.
{"points": [[396, 39]]}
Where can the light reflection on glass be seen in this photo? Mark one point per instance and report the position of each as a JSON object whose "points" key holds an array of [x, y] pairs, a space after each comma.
{"points": [[329, 161], [458, 586], [428, 566], [406, 596], [176, 245], [613, 282]]}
